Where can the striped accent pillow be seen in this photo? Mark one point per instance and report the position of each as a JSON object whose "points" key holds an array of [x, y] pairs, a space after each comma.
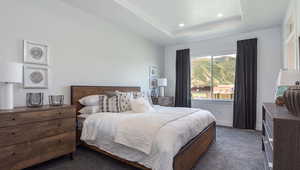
{"points": [[124, 100], [103, 103], [113, 104], [93, 104]]}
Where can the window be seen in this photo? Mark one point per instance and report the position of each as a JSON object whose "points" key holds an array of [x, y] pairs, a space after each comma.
{"points": [[213, 77]]}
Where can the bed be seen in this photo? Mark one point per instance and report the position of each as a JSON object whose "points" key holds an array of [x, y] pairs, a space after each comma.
{"points": [[186, 156]]}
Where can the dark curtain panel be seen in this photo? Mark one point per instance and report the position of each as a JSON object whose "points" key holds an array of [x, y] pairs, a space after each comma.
{"points": [[244, 111], [183, 78]]}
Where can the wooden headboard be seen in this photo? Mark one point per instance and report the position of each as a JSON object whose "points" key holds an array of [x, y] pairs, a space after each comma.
{"points": [[77, 92]]}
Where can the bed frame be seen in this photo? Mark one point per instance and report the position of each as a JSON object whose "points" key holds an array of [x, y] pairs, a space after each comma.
{"points": [[187, 156]]}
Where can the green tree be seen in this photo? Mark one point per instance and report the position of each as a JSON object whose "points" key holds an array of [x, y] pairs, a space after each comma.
{"points": [[223, 71]]}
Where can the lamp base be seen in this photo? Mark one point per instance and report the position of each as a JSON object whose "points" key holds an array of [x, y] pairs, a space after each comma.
{"points": [[7, 97], [161, 91]]}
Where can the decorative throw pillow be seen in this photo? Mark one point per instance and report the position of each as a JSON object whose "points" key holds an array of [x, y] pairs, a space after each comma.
{"points": [[140, 105], [103, 103], [124, 100], [113, 104], [94, 100]]}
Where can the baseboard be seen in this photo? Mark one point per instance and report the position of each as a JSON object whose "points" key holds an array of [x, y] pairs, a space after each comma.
{"points": [[259, 126], [222, 123], [229, 124]]}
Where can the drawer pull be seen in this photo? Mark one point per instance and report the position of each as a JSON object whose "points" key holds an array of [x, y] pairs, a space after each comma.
{"points": [[59, 113], [13, 133], [13, 154], [13, 119]]}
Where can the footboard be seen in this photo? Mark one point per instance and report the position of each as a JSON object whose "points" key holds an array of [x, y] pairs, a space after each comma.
{"points": [[185, 159], [189, 154]]}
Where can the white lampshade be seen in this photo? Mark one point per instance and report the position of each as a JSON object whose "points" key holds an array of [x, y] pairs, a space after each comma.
{"points": [[288, 77], [162, 82], [11, 72]]}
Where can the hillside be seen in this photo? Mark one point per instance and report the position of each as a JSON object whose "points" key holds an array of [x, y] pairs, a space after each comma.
{"points": [[223, 71]]}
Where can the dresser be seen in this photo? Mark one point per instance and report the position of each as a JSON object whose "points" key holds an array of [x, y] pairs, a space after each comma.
{"points": [[33, 135], [163, 101], [281, 138]]}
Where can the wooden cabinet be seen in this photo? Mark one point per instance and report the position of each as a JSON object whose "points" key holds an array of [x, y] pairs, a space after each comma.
{"points": [[33, 135], [163, 101], [281, 138]]}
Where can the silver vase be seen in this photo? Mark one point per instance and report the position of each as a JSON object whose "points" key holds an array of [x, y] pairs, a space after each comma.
{"points": [[34, 99], [292, 100]]}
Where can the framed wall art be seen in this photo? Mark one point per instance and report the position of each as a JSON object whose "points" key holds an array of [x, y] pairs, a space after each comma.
{"points": [[153, 76], [35, 53], [35, 77]]}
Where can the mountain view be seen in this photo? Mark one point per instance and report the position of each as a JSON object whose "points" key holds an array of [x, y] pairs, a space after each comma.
{"points": [[219, 71]]}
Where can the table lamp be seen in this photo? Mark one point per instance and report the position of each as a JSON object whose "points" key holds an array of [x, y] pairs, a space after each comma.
{"points": [[162, 83], [288, 77], [10, 74]]}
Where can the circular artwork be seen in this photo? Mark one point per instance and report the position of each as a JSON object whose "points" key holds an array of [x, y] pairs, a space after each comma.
{"points": [[36, 53], [36, 77]]}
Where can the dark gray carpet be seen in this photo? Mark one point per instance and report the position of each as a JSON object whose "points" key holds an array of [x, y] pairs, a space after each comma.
{"points": [[233, 150]]}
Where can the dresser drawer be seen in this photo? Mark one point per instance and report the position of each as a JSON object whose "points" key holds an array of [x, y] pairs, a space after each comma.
{"points": [[269, 125], [268, 154], [268, 134], [268, 150], [12, 119], [27, 154], [28, 132]]}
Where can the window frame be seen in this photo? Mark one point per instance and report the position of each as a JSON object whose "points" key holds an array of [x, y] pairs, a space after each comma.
{"points": [[212, 80]]}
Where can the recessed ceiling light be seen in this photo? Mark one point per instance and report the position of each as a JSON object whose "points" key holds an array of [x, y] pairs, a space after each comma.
{"points": [[181, 25], [220, 15]]}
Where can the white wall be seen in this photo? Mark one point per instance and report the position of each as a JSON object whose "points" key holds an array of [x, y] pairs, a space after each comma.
{"points": [[83, 49], [269, 64]]}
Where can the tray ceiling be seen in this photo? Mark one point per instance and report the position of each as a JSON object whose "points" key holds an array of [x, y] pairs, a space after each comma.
{"points": [[173, 21]]}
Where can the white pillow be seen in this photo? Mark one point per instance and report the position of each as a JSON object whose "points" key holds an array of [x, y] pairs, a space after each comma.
{"points": [[92, 100], [88, 110], [145, 95], [140, 105]]}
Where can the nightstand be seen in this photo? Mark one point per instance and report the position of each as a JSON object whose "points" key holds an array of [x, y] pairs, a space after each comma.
{"points": [[164, 101]]}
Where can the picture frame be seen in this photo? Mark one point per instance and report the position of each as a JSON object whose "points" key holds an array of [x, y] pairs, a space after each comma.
{"points": [[154, 72], [35, 53], [35, 77], [153, 76]]}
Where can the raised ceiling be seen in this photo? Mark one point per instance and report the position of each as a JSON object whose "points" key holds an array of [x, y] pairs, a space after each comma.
{"points": [[170, 13], [159, 20]]}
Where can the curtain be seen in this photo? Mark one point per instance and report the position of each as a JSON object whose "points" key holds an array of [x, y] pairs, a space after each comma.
{"points": [[244, 111], [183, 78]]}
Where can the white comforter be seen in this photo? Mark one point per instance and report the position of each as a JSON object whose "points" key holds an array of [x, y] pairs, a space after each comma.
{"points": [[101, 129]]}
